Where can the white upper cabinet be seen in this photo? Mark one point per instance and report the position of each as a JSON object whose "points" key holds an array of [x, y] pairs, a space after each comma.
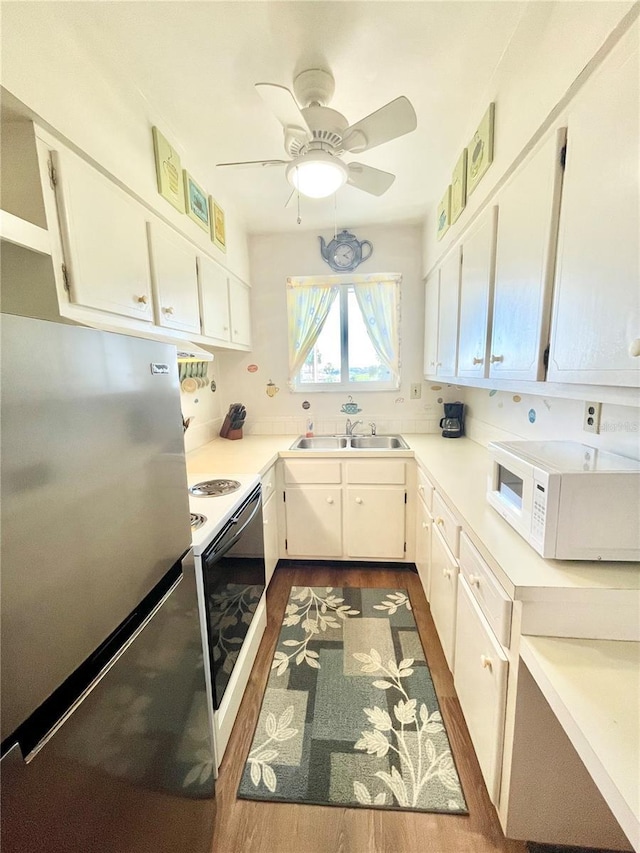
{"points": [[240, 312], [525, 258], [431, 308], [104, 235], [596, 315], [175, 285], [214, 300], [476, 296], [448, 315]]}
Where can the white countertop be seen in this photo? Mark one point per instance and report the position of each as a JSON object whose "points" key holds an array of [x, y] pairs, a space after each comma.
{"points": [[593, 688], [459, 468]]}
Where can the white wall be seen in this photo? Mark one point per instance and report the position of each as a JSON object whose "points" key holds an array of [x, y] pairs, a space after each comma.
{"points": [[551, 46], [71, 87], [275, 257]]}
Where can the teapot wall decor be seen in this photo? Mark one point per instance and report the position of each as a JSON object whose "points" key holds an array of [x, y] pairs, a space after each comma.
{"points": [[345, 252]]}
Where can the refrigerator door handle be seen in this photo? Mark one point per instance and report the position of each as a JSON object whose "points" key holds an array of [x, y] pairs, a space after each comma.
{"points": [[98, 678]]}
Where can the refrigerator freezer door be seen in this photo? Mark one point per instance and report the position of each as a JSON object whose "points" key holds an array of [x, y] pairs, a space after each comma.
{"points": [[131, 769], [94, 495]]}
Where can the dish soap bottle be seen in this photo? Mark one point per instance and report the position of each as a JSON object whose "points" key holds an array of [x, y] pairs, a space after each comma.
{"points": [[309, 432]]}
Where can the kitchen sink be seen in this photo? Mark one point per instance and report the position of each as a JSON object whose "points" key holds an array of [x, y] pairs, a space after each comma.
{"points": [[378, 442], [350, 442]]}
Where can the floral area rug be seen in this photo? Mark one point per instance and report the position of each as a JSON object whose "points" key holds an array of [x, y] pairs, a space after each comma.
{"points": [[350, 715]]}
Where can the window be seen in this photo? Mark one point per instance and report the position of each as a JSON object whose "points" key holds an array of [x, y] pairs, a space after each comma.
{"points": [[343, 332]]}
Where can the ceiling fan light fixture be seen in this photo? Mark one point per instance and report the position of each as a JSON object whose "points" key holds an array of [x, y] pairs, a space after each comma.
{"points": [[317, 174]]}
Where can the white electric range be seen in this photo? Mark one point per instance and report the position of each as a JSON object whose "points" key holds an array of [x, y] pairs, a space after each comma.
{"points": [[216, 509]]}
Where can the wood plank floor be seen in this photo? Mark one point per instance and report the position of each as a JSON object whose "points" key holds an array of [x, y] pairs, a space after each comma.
{"points": [[245, 826]]}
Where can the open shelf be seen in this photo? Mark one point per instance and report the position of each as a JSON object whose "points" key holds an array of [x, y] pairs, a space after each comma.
{"points": [[23, 233]]}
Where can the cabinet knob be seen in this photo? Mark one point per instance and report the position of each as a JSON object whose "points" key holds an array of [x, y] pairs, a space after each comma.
{"points": [[478, 360], [168, 309], [225, 328], [421, 489], [329, 500], [446, 573], [495, 358], [440, 520], [425, 524], [634, 348], [486, 662], [474, 580], [358, 500], [265, 521], [143, 299]]}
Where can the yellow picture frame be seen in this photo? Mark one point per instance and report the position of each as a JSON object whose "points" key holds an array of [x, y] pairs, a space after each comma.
{"points": [[196, 202], [168, 170], [218, 231], [480, 150], [459, 187], [444, 214]]}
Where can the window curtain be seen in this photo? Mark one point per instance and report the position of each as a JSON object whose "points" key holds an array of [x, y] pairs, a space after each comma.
{"points": [[308, 306], [379, 302]]}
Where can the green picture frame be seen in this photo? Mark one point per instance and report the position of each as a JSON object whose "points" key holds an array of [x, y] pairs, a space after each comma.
{"points": [[444, 214], [480, 150], [459, 187], [196, 202], [168, 170]]}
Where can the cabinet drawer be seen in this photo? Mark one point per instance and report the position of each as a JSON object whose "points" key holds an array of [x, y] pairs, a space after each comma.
{"points": [[492, 599], [312, 471], [425, 489], [443, 588], [480, 678], [377, 471], [446, 523], [268, 481]]}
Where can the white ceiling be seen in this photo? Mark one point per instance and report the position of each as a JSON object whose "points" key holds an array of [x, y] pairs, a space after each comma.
{"points": [[196, 64]]}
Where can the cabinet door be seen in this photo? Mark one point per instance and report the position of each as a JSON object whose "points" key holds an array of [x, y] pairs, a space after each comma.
{"points": [[375, 522], [525, 256], [239, 305], [104, 236], [314, 522], [431, 309], [174, 275], [443, 590], [476, 296], [214, 299], [270, 522], [448, 315], [480, 678], [596, 315], [423, 547]]}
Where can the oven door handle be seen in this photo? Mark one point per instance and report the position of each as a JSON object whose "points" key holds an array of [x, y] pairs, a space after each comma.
{"points": [[231, 542]]}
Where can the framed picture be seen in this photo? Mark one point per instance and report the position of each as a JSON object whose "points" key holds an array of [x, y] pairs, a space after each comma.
{"points": [[444, 214], [197, 207], [480, 150], [168, 171], [459, 187], [218, 234]]}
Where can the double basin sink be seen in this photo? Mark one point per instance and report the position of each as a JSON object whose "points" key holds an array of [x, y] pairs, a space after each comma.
{"points": [[350, 442]]}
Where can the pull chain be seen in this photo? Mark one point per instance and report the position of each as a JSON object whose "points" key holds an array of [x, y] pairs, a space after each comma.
{"points": [[299, 217], [335, 215]]}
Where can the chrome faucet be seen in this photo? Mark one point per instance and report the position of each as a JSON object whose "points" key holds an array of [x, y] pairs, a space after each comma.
{"points": [[373, 428], [349, 427]]}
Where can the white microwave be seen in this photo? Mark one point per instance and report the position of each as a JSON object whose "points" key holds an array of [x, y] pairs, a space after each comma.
{"points": [[568, 500]]}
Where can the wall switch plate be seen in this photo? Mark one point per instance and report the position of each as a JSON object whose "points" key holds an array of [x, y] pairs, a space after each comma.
{"points": [[591, 419], [416, 391]]}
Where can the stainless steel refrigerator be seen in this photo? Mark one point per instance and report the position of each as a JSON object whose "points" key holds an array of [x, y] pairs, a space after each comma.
{"points": [[106, 727]]}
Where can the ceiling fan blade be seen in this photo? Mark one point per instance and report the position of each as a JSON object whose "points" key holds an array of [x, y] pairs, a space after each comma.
{"points": [[285, 108], [253, 163], [371, 180], [394, 119]]}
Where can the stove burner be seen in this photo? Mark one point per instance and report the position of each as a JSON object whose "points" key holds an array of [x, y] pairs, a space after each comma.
{"points": [[197, 520], [214, 488]]}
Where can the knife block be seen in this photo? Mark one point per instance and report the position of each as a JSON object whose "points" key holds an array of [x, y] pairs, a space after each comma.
{"points": [[227, 432]]}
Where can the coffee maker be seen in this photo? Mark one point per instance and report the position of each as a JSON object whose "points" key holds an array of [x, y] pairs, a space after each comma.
{"points": [[452, 423]]}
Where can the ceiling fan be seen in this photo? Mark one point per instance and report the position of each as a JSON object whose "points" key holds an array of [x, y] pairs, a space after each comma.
{"points": [[316, 137]]}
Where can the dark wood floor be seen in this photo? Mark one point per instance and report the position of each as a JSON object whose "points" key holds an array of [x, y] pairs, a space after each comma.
{"points": [[244, 826]]}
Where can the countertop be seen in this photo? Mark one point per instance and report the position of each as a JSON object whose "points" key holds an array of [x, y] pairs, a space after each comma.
{"points": [[459, 468]]}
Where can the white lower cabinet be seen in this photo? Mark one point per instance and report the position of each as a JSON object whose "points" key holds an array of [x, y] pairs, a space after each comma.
{"points": [[480, 678], [270, 523], [443, 591], [423, 546], [374, 522], [314, 521]]}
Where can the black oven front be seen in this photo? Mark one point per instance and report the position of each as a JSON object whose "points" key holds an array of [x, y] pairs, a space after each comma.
{"points": [[234, 580]]}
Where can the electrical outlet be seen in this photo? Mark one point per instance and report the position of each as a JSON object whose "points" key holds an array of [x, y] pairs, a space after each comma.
{"points": [[416, 390], [591, 420]]}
